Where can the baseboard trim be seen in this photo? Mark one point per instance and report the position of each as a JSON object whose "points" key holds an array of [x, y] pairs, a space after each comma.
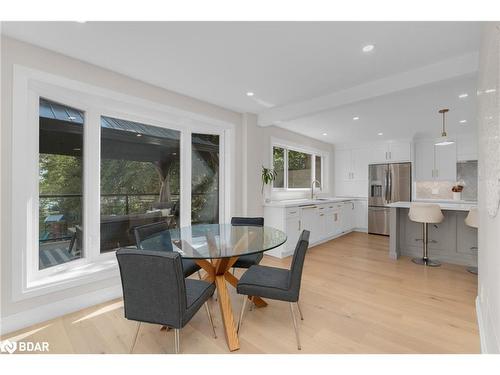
{"points": [[50, 311], [487, 337]]}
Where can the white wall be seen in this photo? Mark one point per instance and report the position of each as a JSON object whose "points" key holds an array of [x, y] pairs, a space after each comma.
{"points": [[258, 146], [16, 52], [488, 301]]}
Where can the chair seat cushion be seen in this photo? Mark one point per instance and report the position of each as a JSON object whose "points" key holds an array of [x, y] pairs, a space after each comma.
{"points": [[267, 282], [189, 267], [197, 292], [247, 261]]}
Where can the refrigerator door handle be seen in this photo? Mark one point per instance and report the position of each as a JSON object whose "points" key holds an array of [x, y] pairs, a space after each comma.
{"points": [[387, 186], [390, 185]]}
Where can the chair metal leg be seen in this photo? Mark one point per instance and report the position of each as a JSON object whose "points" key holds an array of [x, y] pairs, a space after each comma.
{"points": [[199, 274], [210, 319], [242, 313], [234, 270], [295, 326], [251, 304], [135, 338], [300, 311], [177, 340]]}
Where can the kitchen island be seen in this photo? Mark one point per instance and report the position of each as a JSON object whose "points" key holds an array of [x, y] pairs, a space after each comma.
{"points": [[450, 241]]}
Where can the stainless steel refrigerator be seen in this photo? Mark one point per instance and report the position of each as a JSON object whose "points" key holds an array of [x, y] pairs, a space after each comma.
{"points": [[387, 183]]}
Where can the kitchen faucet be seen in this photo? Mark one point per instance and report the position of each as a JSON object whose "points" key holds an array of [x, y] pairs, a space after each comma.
{"points": [[312, 187]]}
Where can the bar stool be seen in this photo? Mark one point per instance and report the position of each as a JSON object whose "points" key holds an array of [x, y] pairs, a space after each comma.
{"points": [[425, 214], [472, 220]]}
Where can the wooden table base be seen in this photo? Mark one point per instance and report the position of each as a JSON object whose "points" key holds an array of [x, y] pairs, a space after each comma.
{"points": [[218, 273]]}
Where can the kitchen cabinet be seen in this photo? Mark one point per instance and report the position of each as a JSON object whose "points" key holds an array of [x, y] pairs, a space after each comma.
{"points": [[351, 172], [310, 220], [347, 216], [361, 214], [351, 165], [324, 220], [435, 163], [392, 152], [467, 147]]}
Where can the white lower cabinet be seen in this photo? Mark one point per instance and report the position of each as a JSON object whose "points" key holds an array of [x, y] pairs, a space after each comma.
{"points": [[324, 221]]}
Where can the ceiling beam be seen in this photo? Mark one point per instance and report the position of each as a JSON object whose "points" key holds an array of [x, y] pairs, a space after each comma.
{"points": [[443, 70]]}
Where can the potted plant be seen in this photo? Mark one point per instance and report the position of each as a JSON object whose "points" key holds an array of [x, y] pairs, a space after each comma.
{"points": [[268, 175], [457, 191]]}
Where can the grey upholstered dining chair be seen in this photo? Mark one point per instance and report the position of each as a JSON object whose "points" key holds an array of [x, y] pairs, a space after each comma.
{"points": [[276, 283], [156, 291], [247, 261], [143, 232]]}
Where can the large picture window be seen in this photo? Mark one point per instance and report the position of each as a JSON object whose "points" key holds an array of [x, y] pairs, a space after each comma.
{"points": [[89, 165], [296, 169]]}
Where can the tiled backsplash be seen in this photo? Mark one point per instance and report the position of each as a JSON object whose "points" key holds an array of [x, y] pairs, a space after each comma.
{"points": [[466, 172], [434, 190]]}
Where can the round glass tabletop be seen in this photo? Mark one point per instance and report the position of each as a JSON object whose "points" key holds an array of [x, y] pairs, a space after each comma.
{"points": [[211, 241]]}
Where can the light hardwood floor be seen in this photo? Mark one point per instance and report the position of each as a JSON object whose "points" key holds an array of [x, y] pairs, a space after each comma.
{"points": [[354, 299]]}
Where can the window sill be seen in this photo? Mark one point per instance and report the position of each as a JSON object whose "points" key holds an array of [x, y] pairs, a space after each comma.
{"points": [[69, 278]]}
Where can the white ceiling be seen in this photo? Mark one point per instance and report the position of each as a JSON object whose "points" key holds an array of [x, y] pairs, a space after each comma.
{"points": [[281, 62], [401, 115]]}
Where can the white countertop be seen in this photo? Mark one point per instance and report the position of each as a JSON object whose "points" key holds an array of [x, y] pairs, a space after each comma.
{"points": [[305, 201], [445, 205]]}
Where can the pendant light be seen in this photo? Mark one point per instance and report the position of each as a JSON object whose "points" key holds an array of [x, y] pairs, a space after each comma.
{"points": [[444, 140]]}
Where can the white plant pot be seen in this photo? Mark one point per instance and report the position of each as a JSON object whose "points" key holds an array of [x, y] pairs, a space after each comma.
{"points": [[457, 196]]}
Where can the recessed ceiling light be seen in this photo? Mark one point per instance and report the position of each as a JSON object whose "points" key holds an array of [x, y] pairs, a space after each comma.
{"points": [[325, 133], [250, 93], [355, 118], [139, 135], [463, 121], [380, 133], [463, 96], [368, 48]]}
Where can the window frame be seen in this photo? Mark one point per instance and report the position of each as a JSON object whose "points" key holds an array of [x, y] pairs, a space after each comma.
{"points": [[289, 146], [28, 86]]}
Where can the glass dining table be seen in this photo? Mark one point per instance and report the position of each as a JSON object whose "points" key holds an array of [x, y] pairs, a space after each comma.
{"points": [[215, 248]]}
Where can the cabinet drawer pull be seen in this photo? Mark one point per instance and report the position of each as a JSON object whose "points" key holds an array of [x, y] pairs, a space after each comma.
{"points": [[321, 214], [292, 212], [473, 248]]}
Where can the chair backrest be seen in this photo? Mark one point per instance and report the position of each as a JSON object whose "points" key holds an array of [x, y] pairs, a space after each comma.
{"points": [[248, 221], [154, 289], [145, 231], [298, 263]]}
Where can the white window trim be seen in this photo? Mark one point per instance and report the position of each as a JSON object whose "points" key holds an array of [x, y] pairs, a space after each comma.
{"points": [[287, 145], [28, 86]]}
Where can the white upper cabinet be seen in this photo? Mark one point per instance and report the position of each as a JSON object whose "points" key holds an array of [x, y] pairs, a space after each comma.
{"points": [[379, 154], [399, 151], [351, 172], [392, 152], [446, 162], [424, 161], [467, 147], [435, 163], [360, 161], [343, 165]]}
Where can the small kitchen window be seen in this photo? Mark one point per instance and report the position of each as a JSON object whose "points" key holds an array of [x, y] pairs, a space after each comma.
{"points": [[296, 168]]}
